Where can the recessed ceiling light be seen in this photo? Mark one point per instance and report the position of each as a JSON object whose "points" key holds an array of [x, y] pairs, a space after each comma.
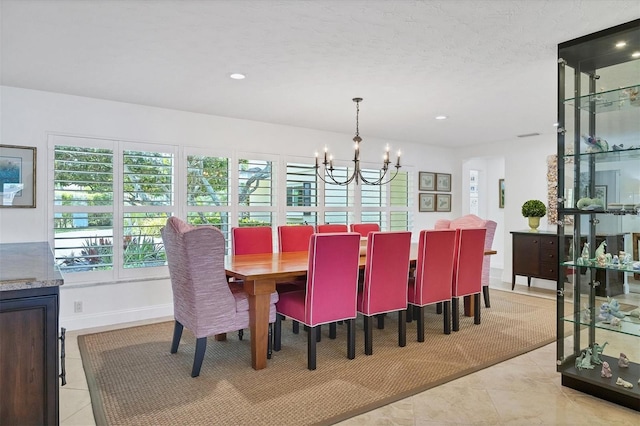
{"points": [[441, 117], [237, 76], [635, 55], [621, 44]]}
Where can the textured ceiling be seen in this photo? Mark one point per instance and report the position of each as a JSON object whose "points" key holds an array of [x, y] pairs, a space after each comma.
{"points": [[490, 65]]}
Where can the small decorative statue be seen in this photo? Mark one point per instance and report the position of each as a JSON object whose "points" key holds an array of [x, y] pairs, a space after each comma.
{"points": [[595, 143], [584, 360], [624, 383], [601, 254], [614, 308], [614, 322], [623, 361], [584, 256], [606, 370], [605, 314], [585, 318], [597, 351]]}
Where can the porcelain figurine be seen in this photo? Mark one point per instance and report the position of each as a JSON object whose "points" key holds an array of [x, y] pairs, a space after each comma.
{"points": [[614, 308], [623, 361], [624, 383], [597, 351], [595, 143], [585, 318], [606, 370], [605, 315], [584, 360], [585, 251], [602, 249]]}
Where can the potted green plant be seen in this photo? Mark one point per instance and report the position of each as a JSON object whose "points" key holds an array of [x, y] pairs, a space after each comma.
{"points": [[534, 210]]}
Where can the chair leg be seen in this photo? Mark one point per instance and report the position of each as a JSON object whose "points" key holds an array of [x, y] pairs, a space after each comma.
{"points": [[455, 315], [420, 319], [402, 328], [447, 317], [270, 341], [201, 347], [319, 333], [240, 334], [311, 348], [332, 330], [439, 308], [476, 308], [368, 334], [277, 334], [409, 313], [295, 327], [351, 338], [177, 333], [485, 293], [380, 318]]}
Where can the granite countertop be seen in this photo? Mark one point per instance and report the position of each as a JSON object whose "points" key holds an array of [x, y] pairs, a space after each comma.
{"points": [[28, 265]]}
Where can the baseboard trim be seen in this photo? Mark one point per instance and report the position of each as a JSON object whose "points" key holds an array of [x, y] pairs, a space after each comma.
{"points": [[103, 319]]}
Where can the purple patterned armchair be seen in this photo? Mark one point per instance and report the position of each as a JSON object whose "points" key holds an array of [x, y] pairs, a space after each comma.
{"points": [[203, 301], [473, 221]]}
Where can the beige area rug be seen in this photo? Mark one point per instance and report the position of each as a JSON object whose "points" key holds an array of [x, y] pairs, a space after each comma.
{"points": [[134, 380]]}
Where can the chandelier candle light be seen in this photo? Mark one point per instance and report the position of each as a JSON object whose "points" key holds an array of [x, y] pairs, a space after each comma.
{"points": [[357, 173]]}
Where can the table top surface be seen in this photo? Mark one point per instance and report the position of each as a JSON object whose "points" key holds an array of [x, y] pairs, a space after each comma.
{"points": [[284, 265]]}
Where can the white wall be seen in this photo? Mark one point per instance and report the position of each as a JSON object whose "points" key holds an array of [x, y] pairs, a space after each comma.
{"points": [[525, 175], [29, 116]]}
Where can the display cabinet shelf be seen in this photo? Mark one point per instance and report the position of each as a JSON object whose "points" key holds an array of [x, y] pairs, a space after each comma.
{"points": [[609, 100], [628, 325], [593, 263]]}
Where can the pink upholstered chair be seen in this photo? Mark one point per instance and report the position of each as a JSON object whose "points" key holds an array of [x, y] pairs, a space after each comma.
{"points": [[467, 271], [364, 228], [294, 237], [433, 275], [251, 240], [473, 221], [326, 228], [384, 288], [203, 300], [331, 291]]}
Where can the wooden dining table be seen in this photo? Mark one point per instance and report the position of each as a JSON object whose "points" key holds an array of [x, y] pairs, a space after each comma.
{"points": [[260, 273]]}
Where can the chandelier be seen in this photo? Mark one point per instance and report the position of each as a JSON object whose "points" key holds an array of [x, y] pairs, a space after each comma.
{"points": [[327, 175]]}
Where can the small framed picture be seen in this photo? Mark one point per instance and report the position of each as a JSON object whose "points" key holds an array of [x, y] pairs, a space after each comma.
{"points": [[17, 176], [427, 202], [601, 193], [501, 193], [443, 203], [443, 182], [427, 181]]}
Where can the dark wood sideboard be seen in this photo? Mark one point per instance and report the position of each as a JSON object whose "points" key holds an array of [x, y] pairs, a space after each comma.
{"points": [[535, 255], [29, 305]]}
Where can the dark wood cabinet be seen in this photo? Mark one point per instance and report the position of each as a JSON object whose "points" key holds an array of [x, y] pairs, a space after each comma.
{"points": [[29, 308], [534, 255], [29, 353]]}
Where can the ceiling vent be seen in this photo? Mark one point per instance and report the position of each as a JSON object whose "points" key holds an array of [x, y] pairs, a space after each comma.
{"points": [[528, 135]]}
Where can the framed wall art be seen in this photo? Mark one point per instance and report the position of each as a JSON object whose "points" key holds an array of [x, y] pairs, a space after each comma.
{"points": [[601, 193], [427, 181], [443, 202], [501, 193], [18, 176], [427, 202], [443, 182]]}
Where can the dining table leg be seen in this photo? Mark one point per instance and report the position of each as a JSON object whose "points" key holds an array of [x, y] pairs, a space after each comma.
{"points": [[259, 292]]}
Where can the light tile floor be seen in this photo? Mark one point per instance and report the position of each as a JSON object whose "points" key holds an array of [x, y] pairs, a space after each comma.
{"points": [[525, 390]]}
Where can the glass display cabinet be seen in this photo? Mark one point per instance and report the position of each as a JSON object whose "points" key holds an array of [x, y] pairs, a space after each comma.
{"points": [[598, 291]]}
